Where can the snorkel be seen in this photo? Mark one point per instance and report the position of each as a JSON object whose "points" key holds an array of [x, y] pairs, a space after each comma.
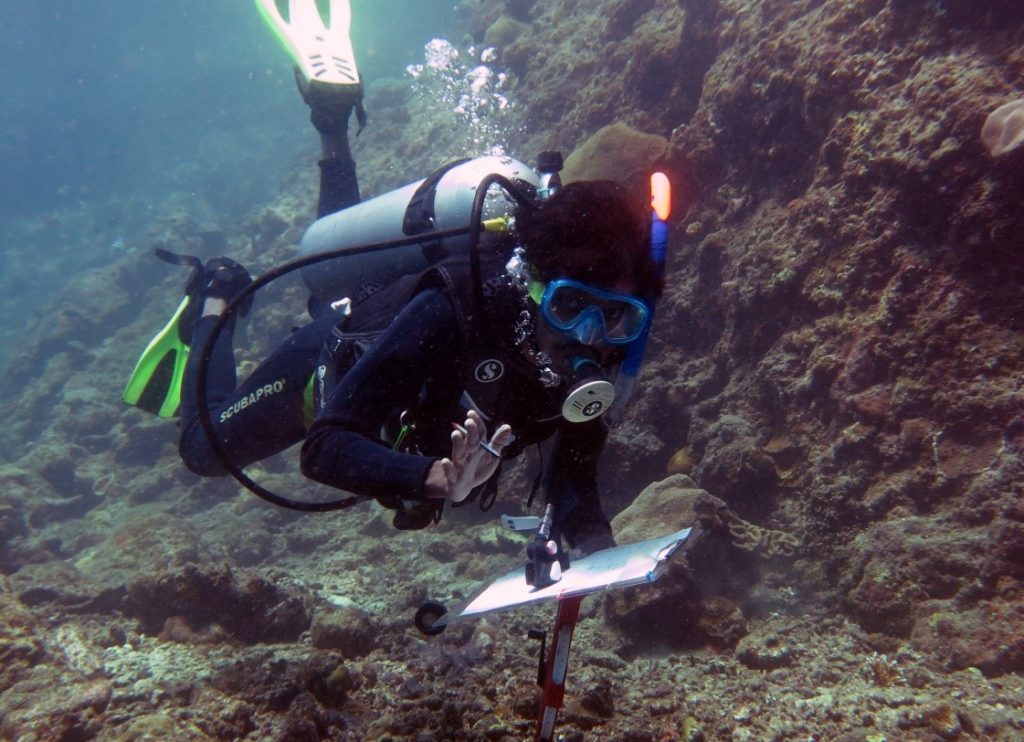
{"points": [[661, 208]]}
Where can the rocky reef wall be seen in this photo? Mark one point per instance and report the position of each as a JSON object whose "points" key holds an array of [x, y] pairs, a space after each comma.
{"points": [[836, 363], [839, 350]]}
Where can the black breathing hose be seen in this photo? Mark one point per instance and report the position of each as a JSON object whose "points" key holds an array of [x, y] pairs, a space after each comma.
{"points": [[205, 420], [476, 217]]}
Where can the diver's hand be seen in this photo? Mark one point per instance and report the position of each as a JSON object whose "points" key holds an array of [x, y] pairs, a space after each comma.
{"points": [[472, 462]]}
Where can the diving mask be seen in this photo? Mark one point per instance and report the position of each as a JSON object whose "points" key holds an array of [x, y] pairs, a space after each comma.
{"points": [[590, 315]]}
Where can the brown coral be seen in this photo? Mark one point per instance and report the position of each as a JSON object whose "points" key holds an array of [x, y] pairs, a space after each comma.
{"points": [[764, 541]]}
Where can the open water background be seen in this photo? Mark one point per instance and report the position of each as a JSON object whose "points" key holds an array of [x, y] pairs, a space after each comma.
{"points": [[118, 113]]}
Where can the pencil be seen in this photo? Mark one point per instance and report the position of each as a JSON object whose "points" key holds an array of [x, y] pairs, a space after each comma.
{"points": [[485, 446]]}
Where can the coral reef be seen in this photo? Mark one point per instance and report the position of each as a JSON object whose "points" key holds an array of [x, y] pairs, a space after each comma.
{"points": [[616, 152], [832, 387]]}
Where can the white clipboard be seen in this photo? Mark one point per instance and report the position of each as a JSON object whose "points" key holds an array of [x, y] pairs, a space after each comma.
{"points": [[619, 566]]}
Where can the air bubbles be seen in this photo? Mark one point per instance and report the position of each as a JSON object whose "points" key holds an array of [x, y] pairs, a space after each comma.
{"points": [[467, 85]]}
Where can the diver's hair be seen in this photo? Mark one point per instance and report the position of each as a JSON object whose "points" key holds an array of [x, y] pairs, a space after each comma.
{"points": [[592, 231]]}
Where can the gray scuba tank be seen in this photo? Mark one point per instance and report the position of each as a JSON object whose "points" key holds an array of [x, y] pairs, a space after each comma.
{"points": [[442, 201]]}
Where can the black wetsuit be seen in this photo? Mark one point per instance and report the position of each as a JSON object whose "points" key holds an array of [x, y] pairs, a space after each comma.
{"points": [[425, 362]]}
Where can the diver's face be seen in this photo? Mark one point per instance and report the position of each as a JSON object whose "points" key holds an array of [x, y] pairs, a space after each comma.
{"points": [[562, 348]]}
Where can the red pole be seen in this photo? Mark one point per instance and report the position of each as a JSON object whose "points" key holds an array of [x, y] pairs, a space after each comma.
{"points": [[556, 667]]}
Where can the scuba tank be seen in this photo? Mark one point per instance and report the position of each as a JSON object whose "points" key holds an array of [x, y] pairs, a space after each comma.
{"points": [[440, 202]]}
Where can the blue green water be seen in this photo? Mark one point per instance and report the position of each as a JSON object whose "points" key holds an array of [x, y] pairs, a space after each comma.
{"points": [[117, 113], [116, 97]]}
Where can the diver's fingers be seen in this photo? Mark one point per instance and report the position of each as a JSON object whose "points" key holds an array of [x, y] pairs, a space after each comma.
{"points": [[475, 417], [481, 424], [458, 446], [450, 472], [502, 437], [475, 430], [451, 475]]}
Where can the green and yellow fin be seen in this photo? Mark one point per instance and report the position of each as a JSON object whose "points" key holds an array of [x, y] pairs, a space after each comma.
{"points": [[155, 384]]}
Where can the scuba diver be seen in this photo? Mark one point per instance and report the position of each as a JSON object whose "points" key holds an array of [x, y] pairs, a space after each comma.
{"points": [[413, 389]]}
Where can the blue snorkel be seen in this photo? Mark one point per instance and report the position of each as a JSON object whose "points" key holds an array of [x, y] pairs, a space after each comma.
{"points": [[661, 198]]}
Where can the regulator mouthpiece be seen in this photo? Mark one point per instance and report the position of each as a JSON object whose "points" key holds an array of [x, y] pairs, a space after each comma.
{"points": [[591, 394]]}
